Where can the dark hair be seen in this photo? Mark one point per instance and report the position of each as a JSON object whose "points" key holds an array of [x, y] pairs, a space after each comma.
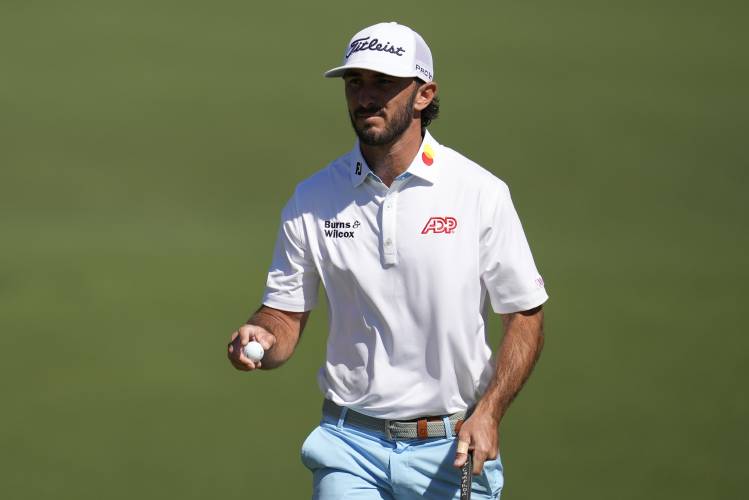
{"points": [[431, 112]]}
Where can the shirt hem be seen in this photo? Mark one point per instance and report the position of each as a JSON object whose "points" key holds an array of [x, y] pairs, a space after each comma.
{"points": [[523, 303], [287, 306]]}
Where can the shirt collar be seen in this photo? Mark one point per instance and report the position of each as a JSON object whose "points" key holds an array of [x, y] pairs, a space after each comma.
{"points": [[359, 168], [425, 164]]}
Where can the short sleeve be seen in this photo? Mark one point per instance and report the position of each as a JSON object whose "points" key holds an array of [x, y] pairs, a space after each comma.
{"points": [[293, 280], [507, 268]]}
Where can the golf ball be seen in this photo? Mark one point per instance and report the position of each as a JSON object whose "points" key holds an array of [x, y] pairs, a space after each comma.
{"points": [[254, 351]]}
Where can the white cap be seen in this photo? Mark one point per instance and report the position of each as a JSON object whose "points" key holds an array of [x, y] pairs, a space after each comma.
{"points": [[388, 48]]}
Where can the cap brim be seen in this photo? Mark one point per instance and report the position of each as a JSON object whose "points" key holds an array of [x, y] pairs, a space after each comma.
{"points": [[340, 70]]}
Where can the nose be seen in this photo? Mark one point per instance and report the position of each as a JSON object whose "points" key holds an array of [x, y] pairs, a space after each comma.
{"points": [[366, 97]]}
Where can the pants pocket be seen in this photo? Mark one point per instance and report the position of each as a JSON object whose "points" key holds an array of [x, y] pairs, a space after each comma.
{"points": [[308, 450], [493, 474]]}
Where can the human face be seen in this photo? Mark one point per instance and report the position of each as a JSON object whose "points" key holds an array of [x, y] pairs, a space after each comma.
{"points": [[381, 107]]}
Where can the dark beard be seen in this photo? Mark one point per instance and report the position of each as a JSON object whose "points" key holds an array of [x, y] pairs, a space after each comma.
{"points": [[399, 124]]}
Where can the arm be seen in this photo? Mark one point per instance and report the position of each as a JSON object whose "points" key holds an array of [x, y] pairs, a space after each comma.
{"points": [[518, 353], [276, 330]]}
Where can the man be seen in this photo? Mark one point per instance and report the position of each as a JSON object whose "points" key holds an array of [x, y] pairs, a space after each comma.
{"points": [[409, 239]]}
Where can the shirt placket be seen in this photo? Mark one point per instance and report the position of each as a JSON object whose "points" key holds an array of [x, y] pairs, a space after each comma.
{"points": [[390, 224]]}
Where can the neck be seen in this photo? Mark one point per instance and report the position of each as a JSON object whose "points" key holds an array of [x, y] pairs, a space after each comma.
{"points": [[390, 160]]}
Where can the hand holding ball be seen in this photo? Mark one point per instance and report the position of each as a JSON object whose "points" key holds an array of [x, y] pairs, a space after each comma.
{"points": [[254, 351]]}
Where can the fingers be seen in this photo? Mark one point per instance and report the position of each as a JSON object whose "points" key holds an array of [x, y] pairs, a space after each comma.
{"points": [[480, 455], [235, 355], [463, 447], [480, 441], [240, 338], [478, 462], [258, 334], [461, 452], [245, 334]]}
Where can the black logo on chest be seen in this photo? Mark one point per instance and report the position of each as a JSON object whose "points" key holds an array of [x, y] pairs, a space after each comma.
{"points": [[338, 229]]}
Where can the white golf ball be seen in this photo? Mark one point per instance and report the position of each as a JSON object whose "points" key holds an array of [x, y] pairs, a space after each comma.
{"points": [[254, 351]]}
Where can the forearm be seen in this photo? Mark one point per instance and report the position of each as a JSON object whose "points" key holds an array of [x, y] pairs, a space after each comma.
{"points": [[520, 348], [286, 327]]}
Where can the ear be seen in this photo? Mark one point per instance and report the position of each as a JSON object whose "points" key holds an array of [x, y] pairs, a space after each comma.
{"points": [[424, 95]]}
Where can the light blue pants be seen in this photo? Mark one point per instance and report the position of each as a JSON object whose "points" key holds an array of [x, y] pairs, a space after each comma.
{"points": [[352, 463]]}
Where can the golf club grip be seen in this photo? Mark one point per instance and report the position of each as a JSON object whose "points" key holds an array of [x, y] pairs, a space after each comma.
{"points": [[466, 477]]}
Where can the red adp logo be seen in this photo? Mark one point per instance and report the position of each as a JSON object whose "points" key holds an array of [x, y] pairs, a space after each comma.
{"points": [[440, 225]]}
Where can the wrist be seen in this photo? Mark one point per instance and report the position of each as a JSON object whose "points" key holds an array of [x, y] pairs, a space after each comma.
{"points": [[489, 412]]}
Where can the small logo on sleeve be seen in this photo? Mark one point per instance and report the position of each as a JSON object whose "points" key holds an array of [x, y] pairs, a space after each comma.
{"points": [[445, 225]]}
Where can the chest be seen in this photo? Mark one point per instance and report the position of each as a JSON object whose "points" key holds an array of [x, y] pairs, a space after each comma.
{"points": [[420, 227]]}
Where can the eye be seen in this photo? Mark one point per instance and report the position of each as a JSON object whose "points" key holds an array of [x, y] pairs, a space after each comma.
{"points": [[385, 81], [353, 82]]}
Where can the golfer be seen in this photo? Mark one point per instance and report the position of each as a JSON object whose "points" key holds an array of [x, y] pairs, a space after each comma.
{"points": [[413, 244]]}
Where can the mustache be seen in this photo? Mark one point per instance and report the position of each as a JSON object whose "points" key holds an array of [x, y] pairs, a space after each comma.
{"points": [[371, 111]]}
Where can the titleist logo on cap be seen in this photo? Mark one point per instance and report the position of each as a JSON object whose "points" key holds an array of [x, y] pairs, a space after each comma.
{"points": [[374, 44]]}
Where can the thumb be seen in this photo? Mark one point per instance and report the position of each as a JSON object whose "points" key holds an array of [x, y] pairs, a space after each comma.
{"points": [[265, 338]]}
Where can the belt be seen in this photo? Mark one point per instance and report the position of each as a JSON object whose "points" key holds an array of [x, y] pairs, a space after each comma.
{"points": [[420, 428]]}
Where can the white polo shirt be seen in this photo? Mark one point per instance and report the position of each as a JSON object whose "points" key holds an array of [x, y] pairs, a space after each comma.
{"points": [[407, 271]]}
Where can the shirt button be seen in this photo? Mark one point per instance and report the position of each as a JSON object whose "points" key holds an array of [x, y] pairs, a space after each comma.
{"points": [[388, 242]]}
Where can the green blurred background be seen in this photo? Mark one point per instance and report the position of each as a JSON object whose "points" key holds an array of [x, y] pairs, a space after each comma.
{"points": [[146, 148]]}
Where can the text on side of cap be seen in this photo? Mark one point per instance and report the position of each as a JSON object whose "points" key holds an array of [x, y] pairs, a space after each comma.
{"points": [[425, 72]]}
